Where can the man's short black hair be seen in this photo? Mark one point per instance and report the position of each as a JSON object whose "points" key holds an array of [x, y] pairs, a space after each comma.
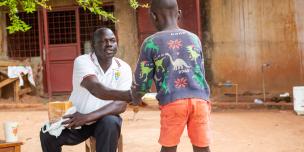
{"points": [[98, 33]]}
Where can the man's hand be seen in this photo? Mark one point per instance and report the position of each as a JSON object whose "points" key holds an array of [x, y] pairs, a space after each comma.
{"points": [[75, 120]]}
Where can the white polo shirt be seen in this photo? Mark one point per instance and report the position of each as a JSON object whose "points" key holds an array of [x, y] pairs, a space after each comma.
{"points": [[118, 76]]}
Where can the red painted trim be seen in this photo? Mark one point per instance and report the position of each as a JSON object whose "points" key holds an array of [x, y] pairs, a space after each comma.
{"points": [[41, 46], [78, 31], [117, 62], [71, 7], [46, 36], [62, 45]]}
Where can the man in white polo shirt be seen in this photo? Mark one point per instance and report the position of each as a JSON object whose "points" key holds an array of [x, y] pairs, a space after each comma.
{"points": [[101, 85]]}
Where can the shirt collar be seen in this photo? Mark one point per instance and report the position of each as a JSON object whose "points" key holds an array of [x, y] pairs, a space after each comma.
{"points": [[114, 64]]}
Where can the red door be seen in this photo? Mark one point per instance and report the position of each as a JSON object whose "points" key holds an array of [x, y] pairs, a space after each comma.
{"points": [[190, 20], [63, 47]]}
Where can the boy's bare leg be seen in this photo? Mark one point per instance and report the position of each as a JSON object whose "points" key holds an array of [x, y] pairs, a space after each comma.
{"points": [[168, 149], [200, 149]]}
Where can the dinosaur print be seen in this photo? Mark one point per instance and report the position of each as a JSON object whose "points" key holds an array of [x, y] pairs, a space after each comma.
{"points": [[159, 64], [196, 42], [164, 85], [140, 88], [193, 54], [199, 77], [156, 79], [145, 71], [178, 64], [146, 86], [151, 45]]}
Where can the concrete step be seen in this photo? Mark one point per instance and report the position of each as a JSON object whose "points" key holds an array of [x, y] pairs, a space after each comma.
{"points": [[248, 105]]}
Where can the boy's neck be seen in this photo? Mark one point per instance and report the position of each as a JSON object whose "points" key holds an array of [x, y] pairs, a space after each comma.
{"points": [[170, 26]]}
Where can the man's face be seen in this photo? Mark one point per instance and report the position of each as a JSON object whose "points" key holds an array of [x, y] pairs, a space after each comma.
{"points": [[106, 46]]}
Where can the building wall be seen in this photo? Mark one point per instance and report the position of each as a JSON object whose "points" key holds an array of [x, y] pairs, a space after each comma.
{"points": [[127, 32], [299, 16], [247, 34]]}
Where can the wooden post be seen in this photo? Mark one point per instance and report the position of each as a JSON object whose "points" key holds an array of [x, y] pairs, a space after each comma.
{"points": [[16, 91], [18, 148], [90, 144]]}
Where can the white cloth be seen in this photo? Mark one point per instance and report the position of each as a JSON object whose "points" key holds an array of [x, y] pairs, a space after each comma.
{"points": [[56, 128], [118, 76], [17, 71]]}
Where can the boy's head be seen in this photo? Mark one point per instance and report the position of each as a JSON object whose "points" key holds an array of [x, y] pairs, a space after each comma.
{"points": [[164, 13]]}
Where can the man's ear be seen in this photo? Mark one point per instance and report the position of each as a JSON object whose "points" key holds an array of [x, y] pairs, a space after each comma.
{"points": [[153, 15], [92, 46], [179, 14]]}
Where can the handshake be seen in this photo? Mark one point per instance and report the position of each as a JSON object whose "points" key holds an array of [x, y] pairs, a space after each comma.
{"points": [[135, 97]]}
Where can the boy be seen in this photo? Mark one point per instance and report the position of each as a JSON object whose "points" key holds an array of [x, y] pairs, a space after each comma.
{"points": [[173, 58]]}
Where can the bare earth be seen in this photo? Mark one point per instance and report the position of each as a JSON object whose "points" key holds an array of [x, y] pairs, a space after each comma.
{"points": [[233, 131]]}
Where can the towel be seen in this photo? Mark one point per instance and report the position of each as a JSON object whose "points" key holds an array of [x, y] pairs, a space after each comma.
{"points": [[56, 128], [17, 71]]}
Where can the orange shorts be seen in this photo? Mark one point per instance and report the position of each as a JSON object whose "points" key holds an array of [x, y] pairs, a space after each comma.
{"points": [[195, 113]]}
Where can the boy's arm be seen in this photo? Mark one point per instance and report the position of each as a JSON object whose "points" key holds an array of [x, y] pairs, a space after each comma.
{"points": [[144, 73]]}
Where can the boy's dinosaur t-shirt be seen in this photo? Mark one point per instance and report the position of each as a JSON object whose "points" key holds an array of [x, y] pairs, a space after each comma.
{"points": [[174, 60]]}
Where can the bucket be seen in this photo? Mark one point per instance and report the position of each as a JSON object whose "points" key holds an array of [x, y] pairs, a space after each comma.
{"points": [[11, 131], [298, 99]]}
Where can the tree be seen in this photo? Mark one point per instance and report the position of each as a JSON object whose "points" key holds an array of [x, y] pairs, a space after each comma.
{"points": [[29, 6]]}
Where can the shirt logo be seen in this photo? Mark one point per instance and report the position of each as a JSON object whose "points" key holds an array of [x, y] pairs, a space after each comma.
{"points": [[117, 74]]}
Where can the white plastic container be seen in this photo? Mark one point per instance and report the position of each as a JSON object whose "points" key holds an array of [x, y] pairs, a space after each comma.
{"points": [[11, 131], [298, 99]]}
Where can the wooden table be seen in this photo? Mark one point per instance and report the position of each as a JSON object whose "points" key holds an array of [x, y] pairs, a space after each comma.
{"points": [[5, 80], [10, 147]]}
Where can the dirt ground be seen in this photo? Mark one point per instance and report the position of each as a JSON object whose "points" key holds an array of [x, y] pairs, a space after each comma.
{"points": [[232, 131]]}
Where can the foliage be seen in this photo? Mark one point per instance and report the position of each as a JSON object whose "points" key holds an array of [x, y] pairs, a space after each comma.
{"points": [[29, 6], [134, 4]]}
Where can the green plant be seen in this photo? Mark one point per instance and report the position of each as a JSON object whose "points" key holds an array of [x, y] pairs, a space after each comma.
{"points": [[29, 6], [134, 4]]}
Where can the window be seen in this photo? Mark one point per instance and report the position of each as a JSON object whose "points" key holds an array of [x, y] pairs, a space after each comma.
{"points": [[62, 27], [24, 44], [62, 30]]}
